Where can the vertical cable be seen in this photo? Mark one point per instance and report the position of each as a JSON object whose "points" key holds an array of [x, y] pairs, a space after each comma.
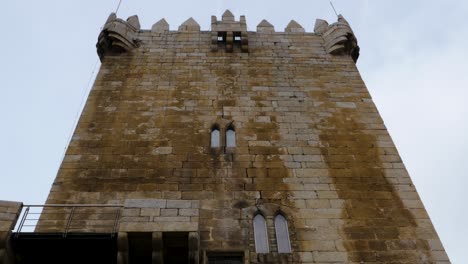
{"points": [[118, 6], [333, 8]]}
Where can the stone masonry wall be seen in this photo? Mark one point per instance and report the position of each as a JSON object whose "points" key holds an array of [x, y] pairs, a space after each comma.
{"points": [[140, 215], [9, 214], [310, 144]]}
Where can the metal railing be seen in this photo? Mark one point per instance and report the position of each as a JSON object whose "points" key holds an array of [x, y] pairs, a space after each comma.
{"points": [[69, 218]]}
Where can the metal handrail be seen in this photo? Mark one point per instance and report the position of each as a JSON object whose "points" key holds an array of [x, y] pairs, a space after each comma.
{"points": [[69, 222], [74, 205]]}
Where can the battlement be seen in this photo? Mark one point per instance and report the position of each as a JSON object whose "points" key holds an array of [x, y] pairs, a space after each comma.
{"points": [[119, 36], [227, 31]]}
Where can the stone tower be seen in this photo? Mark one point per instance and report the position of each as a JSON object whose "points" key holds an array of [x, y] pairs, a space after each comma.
{"points": [[232, 146]]}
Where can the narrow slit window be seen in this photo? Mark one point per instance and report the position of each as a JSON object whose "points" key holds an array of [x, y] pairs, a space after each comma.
{"points": [[230, 137], [221, 37], [215, 142], [261, 235], [282, 234]]}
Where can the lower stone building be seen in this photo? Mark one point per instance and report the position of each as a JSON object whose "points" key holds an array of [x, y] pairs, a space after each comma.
{"points": [[226, 146]]}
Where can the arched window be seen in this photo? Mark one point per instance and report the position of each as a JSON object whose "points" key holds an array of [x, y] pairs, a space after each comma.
{"points": [[261, 235], [282, 234], [230, 137], [215, 137]]}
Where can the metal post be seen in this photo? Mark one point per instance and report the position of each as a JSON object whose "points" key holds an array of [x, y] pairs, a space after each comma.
{"points": [[23, 219], [117, 216], [69, 222]]}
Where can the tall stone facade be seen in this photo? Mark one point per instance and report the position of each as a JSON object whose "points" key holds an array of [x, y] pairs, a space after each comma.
{"points": [[199, 132]]}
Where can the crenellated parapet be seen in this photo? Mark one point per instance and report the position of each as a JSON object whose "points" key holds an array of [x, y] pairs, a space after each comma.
{"points": [[118, 36], [227, 32], [339, 37]]}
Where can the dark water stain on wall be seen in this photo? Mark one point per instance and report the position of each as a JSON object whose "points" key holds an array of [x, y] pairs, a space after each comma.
{"points": [[377, 227]]}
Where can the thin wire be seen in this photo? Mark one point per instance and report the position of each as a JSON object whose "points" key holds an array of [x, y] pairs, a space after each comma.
{"points": [[336, 13], [86, 91], [118, 6]]}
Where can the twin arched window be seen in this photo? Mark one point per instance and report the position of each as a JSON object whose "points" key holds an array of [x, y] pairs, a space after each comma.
{"points": [[261, 234], [216, 137]]}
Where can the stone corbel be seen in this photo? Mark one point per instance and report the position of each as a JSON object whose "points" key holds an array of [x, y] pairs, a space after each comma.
{"points": [[339, 37], [118, 36]]}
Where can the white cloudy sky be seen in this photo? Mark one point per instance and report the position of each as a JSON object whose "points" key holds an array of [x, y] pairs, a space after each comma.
{"points": [[414, 59]]}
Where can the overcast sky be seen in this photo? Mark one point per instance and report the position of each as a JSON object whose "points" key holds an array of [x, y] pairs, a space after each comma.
{"points": [[414, 60]]}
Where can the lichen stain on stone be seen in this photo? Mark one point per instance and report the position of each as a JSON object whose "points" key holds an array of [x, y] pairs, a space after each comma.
{"points": [[374, 215]]}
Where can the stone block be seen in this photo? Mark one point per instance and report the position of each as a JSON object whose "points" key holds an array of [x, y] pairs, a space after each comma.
{"points": [[6, 225], [172, 219], [11, 204], [134, 219], [179, 203], [150, 211], [188, 212], [145, 203], [162, 151], [169, 212], [8, 216], [159, 226], [328, 257], [131, 212]]}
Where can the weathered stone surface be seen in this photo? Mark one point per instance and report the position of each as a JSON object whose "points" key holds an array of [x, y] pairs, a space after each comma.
{"points": [[321, 26], [161, 26], [159, 226], [339, 37], [228, 16], [9, 214], [265, 27], [295, 27], [134, 21], [228, 33], [190, 25], [118, 36], [310, 145], [145, 203], [179, 204]]}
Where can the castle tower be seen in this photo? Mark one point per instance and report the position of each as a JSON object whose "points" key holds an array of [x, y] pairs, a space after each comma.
{"points": [[232, 146]]}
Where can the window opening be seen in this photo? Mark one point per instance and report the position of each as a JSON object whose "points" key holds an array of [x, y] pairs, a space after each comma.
{"points": [[261, 235], [139, 247], [230, 137], [222, 37], [215, 142], [237, 39], [282, 234], [175, 246]]}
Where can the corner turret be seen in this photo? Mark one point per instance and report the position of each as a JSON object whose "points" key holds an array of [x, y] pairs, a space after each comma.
{"points": [[118, 36], [339, 37]]}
